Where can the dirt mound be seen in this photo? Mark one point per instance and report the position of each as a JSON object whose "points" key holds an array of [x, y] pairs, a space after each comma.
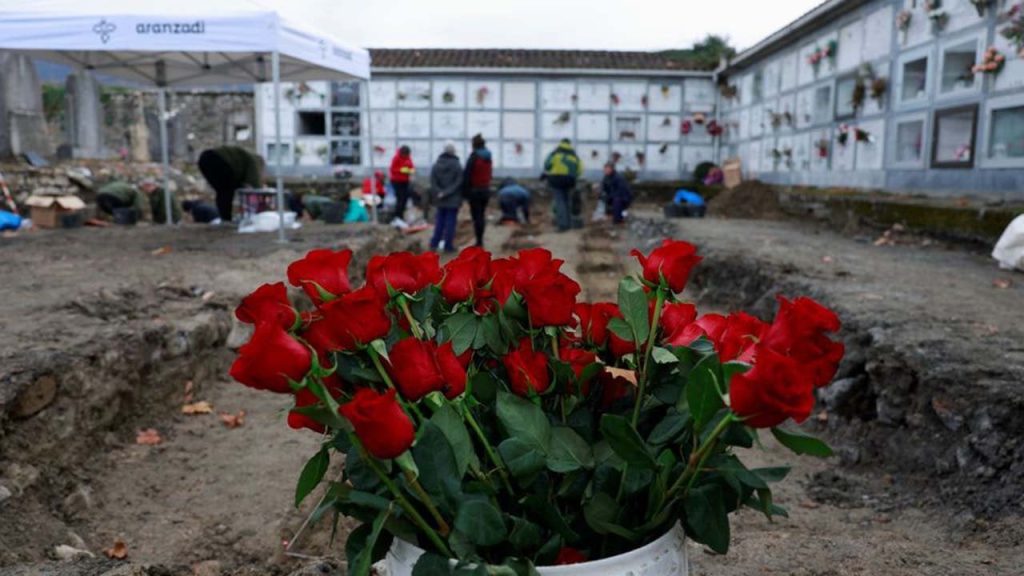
{"points": [[751, 199]]}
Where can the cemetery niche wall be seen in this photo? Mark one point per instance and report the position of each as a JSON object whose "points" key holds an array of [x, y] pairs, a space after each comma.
{"points": [[904, 95], [648, 113]]}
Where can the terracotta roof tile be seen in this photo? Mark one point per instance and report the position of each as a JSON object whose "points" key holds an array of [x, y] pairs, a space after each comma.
{"points": [[501, 58]]}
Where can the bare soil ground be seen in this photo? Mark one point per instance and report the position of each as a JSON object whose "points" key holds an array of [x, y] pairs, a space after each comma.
{"points": [[212, 500]]}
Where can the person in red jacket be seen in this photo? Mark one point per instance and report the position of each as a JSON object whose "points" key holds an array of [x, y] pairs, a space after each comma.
{"points": [[402, 170], [476, 182]]}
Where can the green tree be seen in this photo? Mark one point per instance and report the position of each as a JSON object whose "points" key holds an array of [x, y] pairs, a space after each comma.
{"points": [[705, 53]]}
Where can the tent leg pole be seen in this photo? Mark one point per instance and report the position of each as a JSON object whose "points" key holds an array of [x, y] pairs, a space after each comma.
{"points": [[275, 64], [373, 198], [165, 154]]}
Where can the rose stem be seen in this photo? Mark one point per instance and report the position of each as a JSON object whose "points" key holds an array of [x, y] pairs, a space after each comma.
{"points": [[698, 458], [415, 516], [468, 417], [417, 331], [387, 380], [651, 338], [442, 526]]}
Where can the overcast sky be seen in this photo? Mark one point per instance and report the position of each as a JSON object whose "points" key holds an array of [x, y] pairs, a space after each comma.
{"points": [[582, 24]]}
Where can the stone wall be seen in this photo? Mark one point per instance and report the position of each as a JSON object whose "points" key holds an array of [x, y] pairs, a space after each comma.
{"points": [[199, 120]]}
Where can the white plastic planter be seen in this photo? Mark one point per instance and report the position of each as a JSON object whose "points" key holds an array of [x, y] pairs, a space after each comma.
{"points": [[666, 556]]}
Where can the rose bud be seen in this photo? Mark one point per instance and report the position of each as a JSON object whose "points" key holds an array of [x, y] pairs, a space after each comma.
{"points": [[323, 274], [271, 359], [380, 423], [403, 272], [775, 389], [268, 303], [527, 369], [673, 261], [550, 299], [357, 318]]}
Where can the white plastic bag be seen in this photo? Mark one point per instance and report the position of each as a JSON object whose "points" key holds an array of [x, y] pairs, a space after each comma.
{"points": [[1009, 251], [268, 222]]}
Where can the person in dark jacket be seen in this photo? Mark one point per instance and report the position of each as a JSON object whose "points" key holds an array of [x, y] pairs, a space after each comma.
{"points": [[227, 169], [617, 195], [513, 199], [561, 170], [402, 170], [476, 183], [445, 196]]}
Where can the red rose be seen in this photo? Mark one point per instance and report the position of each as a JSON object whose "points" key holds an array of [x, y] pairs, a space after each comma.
{"points": [[323, 274], [357, 318], [297, 421], [403, 272], [321, 337], [673, 260], [420, 367], [799, 331], [466, 274], [517, 272], [550, 299], [775, 389], [268, 303], [594, 319], [270, 359], [742, 332], [710, 325], [527, 369], [675, 317], [380, 423], [569, 556], [578, 359], [504, 271]]}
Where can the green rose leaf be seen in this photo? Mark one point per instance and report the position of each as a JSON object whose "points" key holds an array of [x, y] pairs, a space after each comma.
{"points": [[361, 547], [524, 420], [707, 517], [801, 443], [626, 442], [633, 304], [431, 564], [481, 522], [551, 516], [669, 428], [600, 513], [311, 475], [772, 475], [462, 329], [436, 461], [702, 394], [569, 451], [523, 461], [620, 328], [663, 356], [525, 536], [454, 429]]}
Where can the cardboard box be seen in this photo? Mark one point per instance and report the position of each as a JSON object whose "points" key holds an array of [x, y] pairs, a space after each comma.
{"points": [[50, 211], [732, 173]]}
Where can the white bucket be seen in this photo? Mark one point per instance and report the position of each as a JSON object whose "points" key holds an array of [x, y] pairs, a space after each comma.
{"points": [[666, 556]]}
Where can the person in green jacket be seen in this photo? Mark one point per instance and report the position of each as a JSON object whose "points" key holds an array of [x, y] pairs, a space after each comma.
{"points": [[120, 194], [561, 170], [227, 169], [158, 204]]}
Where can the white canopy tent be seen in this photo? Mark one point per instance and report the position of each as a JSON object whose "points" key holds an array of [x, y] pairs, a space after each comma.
{"points": [[181, 43]]}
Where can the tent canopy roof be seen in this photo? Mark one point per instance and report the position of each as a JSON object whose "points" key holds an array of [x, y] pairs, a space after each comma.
{"points": [[176, 42]]}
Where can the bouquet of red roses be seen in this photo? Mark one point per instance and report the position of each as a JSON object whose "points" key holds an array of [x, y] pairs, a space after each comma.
{"points": [[489, 417]]}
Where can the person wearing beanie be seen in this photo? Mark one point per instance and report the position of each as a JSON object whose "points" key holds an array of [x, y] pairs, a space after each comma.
{"points": [[445, 195], [476, 184]]}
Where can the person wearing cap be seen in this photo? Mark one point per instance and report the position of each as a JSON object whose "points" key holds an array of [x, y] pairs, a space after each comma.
{"points": [[402, 170], [227, 169], [445, 195], [513, 199], [476, 185], [561, 170]]}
